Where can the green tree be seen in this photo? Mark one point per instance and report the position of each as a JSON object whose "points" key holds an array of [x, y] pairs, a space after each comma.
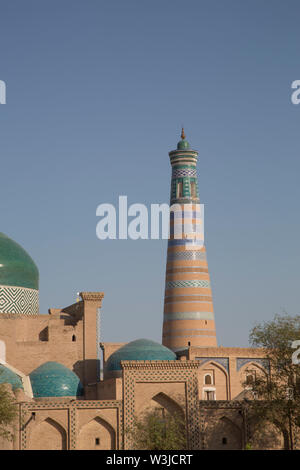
{"points": [[158, 430], [277, 394], [8, 412]]}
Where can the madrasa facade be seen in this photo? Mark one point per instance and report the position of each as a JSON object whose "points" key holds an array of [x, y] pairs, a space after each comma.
{"points": [[75, 392]]}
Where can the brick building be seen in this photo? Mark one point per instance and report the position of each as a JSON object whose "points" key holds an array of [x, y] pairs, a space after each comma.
{"points": [[52, 363]]}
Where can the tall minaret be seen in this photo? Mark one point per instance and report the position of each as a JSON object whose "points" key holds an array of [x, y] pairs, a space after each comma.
{"points": [[188, 308]]}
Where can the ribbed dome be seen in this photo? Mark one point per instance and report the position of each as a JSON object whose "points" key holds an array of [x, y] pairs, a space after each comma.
{"points": [[55, 380], [7, 376], [138, 350], [16, 266]]}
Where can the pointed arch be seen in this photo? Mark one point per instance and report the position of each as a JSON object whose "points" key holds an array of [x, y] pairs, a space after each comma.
{"points": [[48, 434], [220, 376], [253, 369], [253, 364], [224, 434], [269, 436], [214, 364], [168, 403], [97, 434]]}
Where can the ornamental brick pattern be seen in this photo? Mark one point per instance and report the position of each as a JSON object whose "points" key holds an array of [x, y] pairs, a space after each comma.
{"points": [[19, 300], [71, 425], [162, 371], [188, 309]]}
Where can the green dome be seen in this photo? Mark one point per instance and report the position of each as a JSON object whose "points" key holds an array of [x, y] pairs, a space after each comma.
{"points": [[183, 145], [16, 266], [55, 380], [138, 350], [7, 376]]}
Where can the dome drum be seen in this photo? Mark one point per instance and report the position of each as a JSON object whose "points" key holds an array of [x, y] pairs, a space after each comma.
{"points": [[19, 279], [138, 350]]}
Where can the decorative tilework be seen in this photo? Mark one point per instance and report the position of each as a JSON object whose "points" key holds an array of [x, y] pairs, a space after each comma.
{"points": [[72, 406], [182, 172], [188, 214], [187, 284], [98, 340], [139, 350], [190, 242], [223, 361], [73, 428], [186, 244], [170, 300], [180, 229], [19, 300], [187, 255], [52, 379], [17, 268], [188, 316], [184, 200], [171, 371], [10, 377], [241, 361], [190, 335]]}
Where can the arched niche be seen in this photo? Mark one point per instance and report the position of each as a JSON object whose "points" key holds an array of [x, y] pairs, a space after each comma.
{"points": [[268, 436], [252, 369], [223, 434], [219, 377], [161, 400], [97, 434], [48, 435]]}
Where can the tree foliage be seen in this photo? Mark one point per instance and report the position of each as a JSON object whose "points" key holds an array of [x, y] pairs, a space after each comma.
{"points": [[154, 431], [8, 412], [277, 393]]}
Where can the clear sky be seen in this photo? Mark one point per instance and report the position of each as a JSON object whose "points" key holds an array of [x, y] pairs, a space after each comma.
{"points": [[97, 92]]}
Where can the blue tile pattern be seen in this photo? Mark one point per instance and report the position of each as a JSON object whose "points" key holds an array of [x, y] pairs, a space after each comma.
{"points": [[188, 316], [55, 380], [7, 376], [188, 242], [139, 350], [223, 361], [241, 361]]}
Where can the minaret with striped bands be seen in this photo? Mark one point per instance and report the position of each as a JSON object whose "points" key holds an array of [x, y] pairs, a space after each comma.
{"points": [[188, 307]]}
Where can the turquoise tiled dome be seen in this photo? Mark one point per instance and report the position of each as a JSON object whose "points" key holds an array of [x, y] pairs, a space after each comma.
{"points": [[7, 376], [16, 266], [183, 145], [138, 350], [55, 380]]}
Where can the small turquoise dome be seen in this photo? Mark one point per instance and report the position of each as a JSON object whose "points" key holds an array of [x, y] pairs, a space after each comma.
{"points": [[55, 380], [183, 145], [16, 266], [138, 350], [7, 376]]}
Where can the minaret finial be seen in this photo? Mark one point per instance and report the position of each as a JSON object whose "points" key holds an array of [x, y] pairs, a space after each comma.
{"points": [[182, 134]]}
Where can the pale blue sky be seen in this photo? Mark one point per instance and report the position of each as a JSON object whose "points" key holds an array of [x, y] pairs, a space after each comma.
{"points": [[96, 94]]}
